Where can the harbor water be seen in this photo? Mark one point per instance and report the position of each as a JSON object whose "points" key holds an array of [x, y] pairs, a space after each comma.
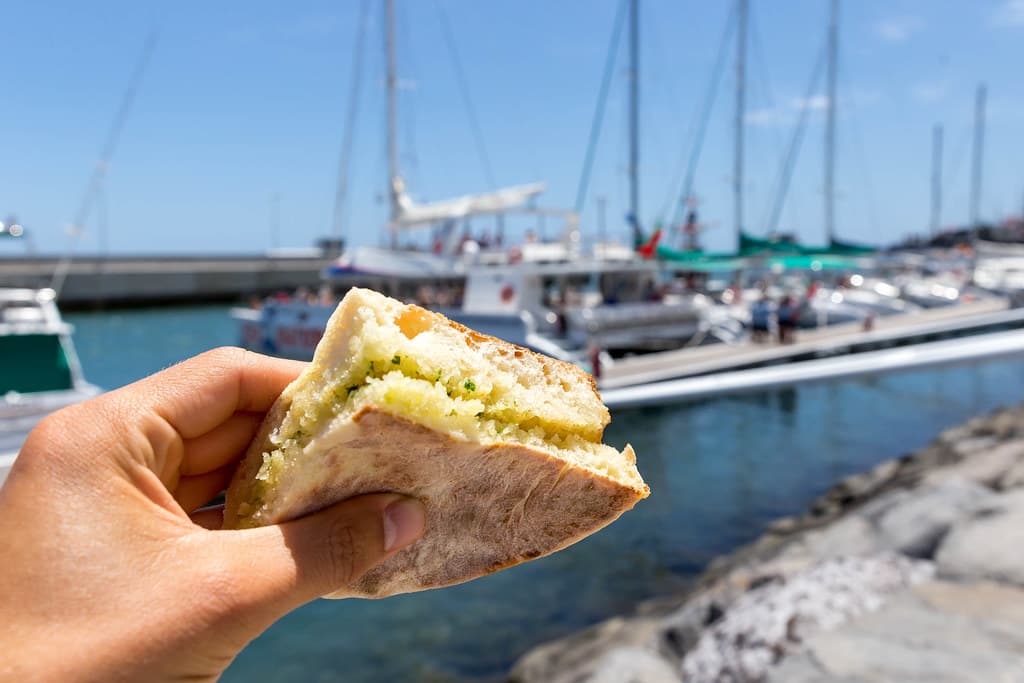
{"points": [[719, 471]]}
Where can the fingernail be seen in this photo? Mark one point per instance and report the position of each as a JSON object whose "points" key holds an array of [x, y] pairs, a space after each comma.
{"points": [[403, 523]]}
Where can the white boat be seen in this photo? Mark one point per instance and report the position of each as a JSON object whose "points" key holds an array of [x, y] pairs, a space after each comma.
{"points": [[39, 369]]}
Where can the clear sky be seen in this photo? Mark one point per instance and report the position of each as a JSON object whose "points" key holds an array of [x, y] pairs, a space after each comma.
{"points": [[245, 101]]}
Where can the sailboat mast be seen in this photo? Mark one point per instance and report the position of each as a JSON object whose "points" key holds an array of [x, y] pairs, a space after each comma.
{"points": [[936, 220], [979, 152], [830, 124], [634, 118], [394, 180], [742, 10]]}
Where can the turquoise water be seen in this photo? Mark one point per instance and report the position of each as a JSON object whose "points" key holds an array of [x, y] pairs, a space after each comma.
{"points": [[719, 471]]}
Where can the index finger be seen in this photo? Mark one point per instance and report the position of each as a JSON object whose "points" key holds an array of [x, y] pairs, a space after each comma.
{"points": [[200, 393]]}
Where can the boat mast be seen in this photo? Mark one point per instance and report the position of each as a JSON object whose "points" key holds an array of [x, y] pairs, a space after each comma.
{"points": [[742, 9], [936, 219], [634, 118], [394, 178], [830, 124], [979, 151]]}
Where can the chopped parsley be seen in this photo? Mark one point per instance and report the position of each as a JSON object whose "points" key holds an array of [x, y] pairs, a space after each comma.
{"points": [[397, 360], [469, 385]]}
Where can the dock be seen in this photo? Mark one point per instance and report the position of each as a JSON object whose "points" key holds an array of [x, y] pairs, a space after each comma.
{"points": [[813, 343], [142, 280]]}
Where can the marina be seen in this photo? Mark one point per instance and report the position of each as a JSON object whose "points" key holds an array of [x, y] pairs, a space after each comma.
{"points": [[786, 244]]}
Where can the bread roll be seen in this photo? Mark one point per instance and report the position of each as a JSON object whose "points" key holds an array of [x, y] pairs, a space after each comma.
{"points": [[502, 445]]}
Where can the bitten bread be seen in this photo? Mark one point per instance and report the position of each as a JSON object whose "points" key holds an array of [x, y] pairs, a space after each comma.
{"points": [[502, 445]]}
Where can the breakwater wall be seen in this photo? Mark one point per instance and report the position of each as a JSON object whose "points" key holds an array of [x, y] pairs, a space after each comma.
{"points": [[146, 280]]}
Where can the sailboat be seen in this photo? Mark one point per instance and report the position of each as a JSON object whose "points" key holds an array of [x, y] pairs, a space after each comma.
{"points": [[778, 250]]}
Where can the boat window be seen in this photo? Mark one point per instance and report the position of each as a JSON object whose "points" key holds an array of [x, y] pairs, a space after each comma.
{"points": [[33, 362]]}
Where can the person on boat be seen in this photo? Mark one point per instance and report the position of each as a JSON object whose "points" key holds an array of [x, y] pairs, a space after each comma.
{"points": [[114, 570]]}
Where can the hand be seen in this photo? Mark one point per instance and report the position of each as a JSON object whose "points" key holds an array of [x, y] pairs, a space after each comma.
{"points": [[106, 576]]}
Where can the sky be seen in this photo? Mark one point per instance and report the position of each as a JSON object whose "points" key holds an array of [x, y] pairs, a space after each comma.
{"points": [[232, 143]]}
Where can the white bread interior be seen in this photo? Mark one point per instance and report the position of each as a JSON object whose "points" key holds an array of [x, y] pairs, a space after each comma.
{"points": [[414, 364]]}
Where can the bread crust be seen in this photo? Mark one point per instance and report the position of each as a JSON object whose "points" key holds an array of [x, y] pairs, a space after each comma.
{"points": [[488, 506]]}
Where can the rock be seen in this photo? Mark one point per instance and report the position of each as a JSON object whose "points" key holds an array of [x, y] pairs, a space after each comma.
{"points": [[852, 535], [917, 521], [1006, 424], [1014, 477], [632, 665], [989, 545], [575, 658], [983, 466], [762, 625], [936, 631], [973, 444]]}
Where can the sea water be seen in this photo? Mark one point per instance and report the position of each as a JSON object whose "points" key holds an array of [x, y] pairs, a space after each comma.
{"points": [[719, 471]]}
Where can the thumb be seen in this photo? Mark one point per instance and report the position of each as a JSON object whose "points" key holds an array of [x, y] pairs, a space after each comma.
{"points": [[290, 564]]}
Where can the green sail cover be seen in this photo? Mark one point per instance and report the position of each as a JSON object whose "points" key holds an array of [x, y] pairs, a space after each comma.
{"points": [[850, 248]]}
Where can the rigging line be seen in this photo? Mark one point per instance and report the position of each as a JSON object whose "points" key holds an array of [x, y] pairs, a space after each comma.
{"points": [[345, 158], [408, 158], [655, 49], [602, 100], [958, 159], [785, 177], [99, 171], [859, 147], [460, 75], [765, 83], [705, 115]]}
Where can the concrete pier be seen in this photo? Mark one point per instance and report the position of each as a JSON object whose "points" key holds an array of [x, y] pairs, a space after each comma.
{"points": [[145, 280]]}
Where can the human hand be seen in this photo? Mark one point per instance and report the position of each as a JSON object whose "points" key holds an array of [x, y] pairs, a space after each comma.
{"points": [[109, 572]]}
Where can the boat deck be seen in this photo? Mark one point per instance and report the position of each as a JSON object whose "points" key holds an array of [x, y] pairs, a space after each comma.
{"points": [[825, 341]]}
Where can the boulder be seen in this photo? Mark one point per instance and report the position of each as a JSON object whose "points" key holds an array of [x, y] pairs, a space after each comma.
{"points": [[576, 658], [1014, 477], [989, 545], [919, 519], [632, 665], [851, 535], [935, 631], [985, 467]]}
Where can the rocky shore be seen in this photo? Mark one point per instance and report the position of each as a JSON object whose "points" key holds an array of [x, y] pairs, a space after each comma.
{"points": [[913, 571]]}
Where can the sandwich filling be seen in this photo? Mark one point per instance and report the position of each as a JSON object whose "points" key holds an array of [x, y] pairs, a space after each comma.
{"points": [[415, 365]]}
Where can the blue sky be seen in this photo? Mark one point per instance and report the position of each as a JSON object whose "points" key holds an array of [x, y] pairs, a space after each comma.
{"points": [[245, 101]]}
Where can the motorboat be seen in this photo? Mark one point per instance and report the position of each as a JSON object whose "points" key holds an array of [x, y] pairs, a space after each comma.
{"points": [[39, 368]]}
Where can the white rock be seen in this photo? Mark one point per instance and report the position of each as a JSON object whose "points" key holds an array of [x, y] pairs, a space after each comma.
{"points": [[915, 525], [937, 632], [765, 622], [633, 665], [989, 545], [986, 466]]}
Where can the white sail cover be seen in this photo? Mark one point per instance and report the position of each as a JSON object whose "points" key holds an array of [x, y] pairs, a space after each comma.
{"points": [[410, 214]]}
